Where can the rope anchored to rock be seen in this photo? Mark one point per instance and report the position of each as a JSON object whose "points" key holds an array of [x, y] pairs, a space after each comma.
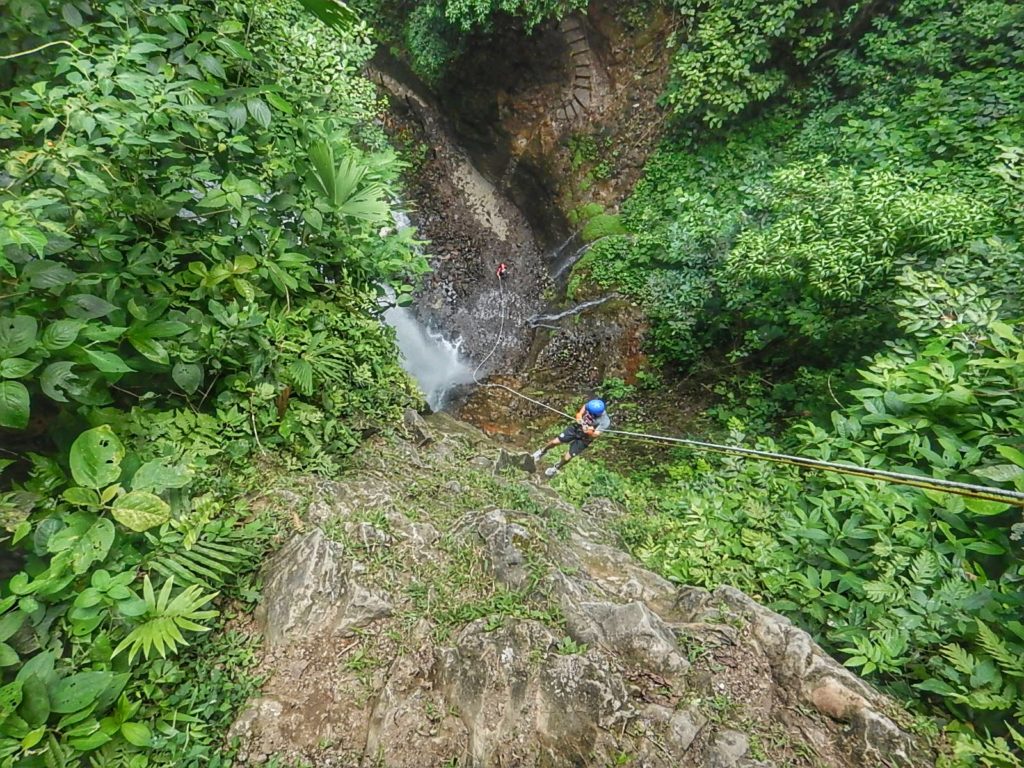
{"points": [[968, 490]]}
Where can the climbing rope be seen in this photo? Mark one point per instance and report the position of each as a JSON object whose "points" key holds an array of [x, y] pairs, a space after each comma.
{"points": [[969, 490]]}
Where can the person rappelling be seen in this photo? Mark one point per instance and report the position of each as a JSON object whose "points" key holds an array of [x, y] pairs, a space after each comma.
{"points": [[591, 421], [502, 269]]}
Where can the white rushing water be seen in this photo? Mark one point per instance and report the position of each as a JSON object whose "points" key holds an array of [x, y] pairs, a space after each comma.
{"points": [[429, 357], [434, 361]]}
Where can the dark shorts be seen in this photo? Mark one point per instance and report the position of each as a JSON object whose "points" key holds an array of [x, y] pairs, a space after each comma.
{"points": [[577, 439]]}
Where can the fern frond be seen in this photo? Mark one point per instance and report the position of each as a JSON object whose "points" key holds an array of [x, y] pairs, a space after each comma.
{"points": [[1009, 661], [209, 563], [962, 661], [924, 570]]}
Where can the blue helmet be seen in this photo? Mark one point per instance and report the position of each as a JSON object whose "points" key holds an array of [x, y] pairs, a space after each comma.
{"points": [[595, 407]]}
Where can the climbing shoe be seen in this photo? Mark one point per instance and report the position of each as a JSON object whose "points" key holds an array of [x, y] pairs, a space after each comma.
{"points": [[551, 471], [537, 454]]}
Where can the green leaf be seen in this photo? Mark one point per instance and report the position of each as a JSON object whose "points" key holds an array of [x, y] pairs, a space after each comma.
{"points": [[141, 510], [164, 329], [33, 737], [16, 367], [150, 349], [44, 275], [78, 691], [1004, 331], [14, 405], [332, 12], [71, 15], [178, 22], [260, 111], [44, 530], [90, 742], [57, 377], [93, 546], [1000, 473], [237, 115], [1007, 452], [10, 623], [314, 219], [40, 665], [932, 685], [108, 362], [85, 306], [986, 547], [96, 457], [985, 508], [137, 734], [188, 376], [17, 335], [277, 102], [8, 656], [35, 703], [157, 475], [81, 497], [234, 48], [211, 64], [10, 698], [103, 333]]}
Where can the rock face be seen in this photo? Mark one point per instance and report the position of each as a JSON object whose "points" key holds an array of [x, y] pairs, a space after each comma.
{"points": [[437, 615]]}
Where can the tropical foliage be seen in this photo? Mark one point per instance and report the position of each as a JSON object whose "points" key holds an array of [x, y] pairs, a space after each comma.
{"points": [[431, 35], [920, 589], [780, 236], [193, 205], [861, 195]]}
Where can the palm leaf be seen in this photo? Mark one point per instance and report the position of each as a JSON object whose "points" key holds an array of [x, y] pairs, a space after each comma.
{"points": [[368, 204], [331, 12], [347, 175], [321, 155], [165, 618]]}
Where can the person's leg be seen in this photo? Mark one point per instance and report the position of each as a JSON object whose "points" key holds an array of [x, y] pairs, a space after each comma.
{"points": [[576, 447], [547, 447], [568, 436]]}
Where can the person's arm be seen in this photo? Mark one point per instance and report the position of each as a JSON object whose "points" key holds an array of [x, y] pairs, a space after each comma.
{"points": [[602, 424], [579, 413]]}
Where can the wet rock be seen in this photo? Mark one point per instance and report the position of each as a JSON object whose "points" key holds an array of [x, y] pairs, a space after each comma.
{"points": [[308, 588], [521, 461], [506, 560], [727, 749], [412, 724], [417, 427], [523, 710], [632, 630], [805, 671], [422, 535], [368, 535], [684, 727], [459, 663]]}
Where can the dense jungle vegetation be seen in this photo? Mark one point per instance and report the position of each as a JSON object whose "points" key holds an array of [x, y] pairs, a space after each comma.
{"points": [[194, 199], [837, 218], [191, 204]]}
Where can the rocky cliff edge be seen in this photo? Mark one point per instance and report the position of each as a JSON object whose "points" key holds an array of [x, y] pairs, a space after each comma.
{"points": [[441, 607]]}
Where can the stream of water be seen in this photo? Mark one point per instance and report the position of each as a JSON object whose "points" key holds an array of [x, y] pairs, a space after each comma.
{"points": [[544, 320], [430, 358], [433, 360]]}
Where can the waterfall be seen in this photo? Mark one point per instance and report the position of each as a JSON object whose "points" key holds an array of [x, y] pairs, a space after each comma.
{"points": [[432, 360]]}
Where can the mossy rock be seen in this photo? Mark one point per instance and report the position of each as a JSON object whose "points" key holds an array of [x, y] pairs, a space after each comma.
{"points": [[602, 225]]}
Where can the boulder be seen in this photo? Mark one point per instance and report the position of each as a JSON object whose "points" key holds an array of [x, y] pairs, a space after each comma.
{"points": [[498, 637], [309, 589]]}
